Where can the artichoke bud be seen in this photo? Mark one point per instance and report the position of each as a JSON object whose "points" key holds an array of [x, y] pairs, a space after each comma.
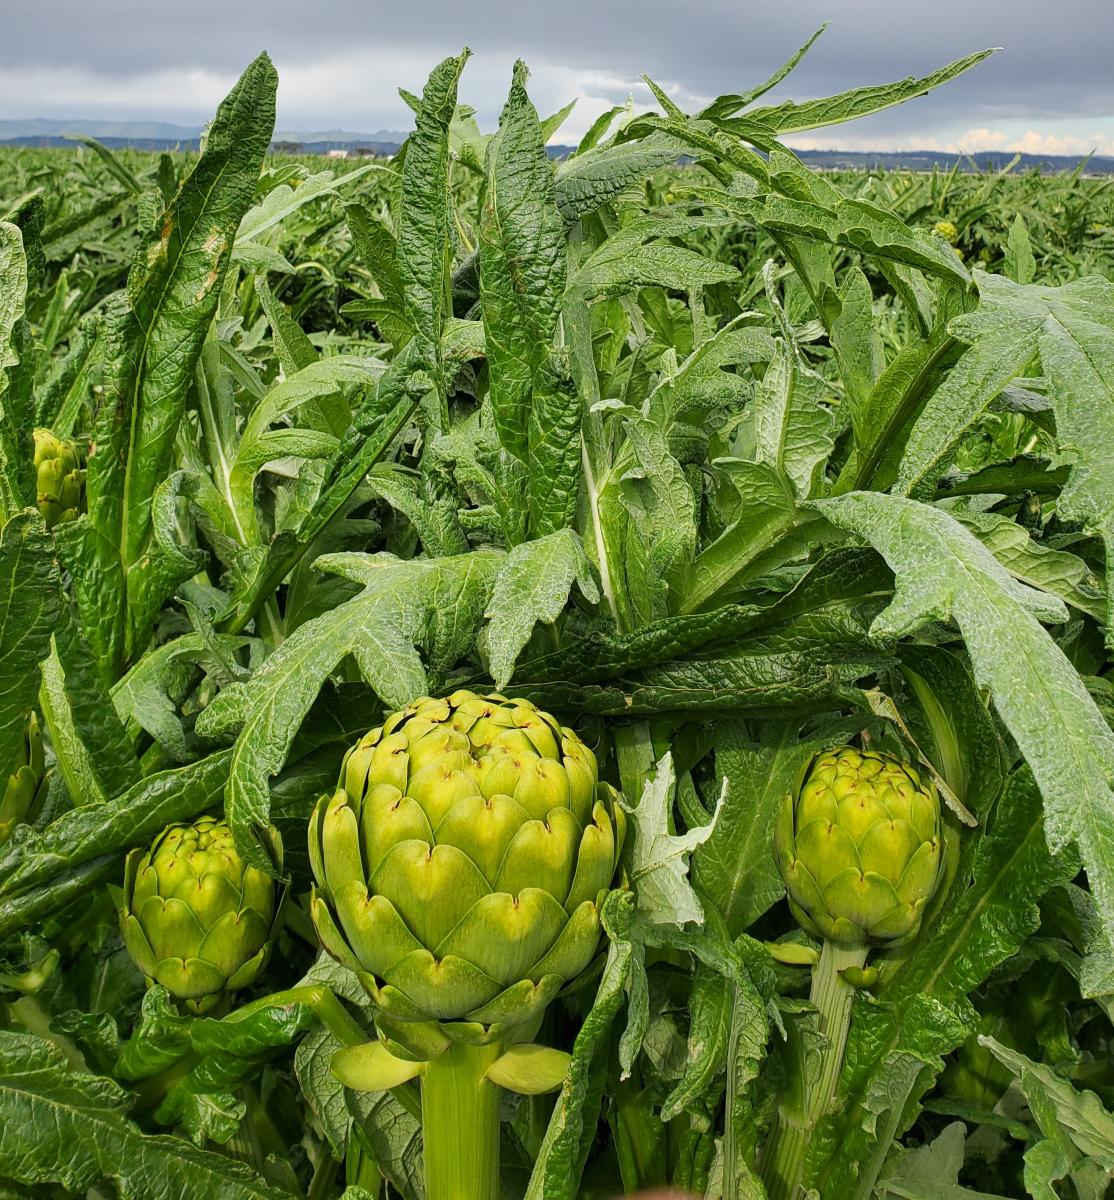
{"points": [[195, 918], [460, 865], [860, 848], [22, 787], [59, 478]]}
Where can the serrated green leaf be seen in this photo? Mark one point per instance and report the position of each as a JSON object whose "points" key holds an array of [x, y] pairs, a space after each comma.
{"points": [[1078, 1113], [424, 248], [65, 1126], [793, 430], [1057, 571], [435, 604], [15, 481], [522, 264], [588, 180], [764, 517], [1070, 328], [793, 117], [533, 585], [281, 201], [30, 606], [174, 289], [659, 859]]}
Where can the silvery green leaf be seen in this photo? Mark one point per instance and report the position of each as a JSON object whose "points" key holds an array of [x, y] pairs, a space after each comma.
{"points": [[533, 585], [659, 859]]}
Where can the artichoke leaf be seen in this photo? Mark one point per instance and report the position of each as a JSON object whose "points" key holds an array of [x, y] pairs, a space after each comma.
{"points": [[530, 1069], [371, 1067]]}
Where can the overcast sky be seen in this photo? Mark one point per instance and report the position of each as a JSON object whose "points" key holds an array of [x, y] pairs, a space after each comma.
{"points": [[1050, 90]]}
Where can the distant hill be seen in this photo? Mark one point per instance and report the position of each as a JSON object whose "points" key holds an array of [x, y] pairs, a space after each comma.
{"points": [[343, 137], [157, 135], [160, 135], [32, 132], [927, 160]]}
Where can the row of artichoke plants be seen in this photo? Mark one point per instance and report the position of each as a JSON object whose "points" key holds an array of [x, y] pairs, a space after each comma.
{"points": [[573, 463], [460, 869]]}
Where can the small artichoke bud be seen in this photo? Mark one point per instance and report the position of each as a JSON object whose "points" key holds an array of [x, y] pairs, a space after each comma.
{"points": [[461, 861], [23, 784], [195, 918], [859, 848], [59, 478]]}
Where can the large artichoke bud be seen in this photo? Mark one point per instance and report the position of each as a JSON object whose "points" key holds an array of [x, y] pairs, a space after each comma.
{"points": [[59, 474], [462, 859], [24, 781], [859, 847], [195, 918]]}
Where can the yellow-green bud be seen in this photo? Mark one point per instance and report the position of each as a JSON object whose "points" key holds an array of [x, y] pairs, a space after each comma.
{"points": [[59, 478], [860, 847]]}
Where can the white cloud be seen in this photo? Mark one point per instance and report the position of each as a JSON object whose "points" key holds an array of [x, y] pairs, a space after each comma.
{"points": [[354, 86], [970, 141], [357, 90], [65, 92], [1035, 142], [981, 139]]}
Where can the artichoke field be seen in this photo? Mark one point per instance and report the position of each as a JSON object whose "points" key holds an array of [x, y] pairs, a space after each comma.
{"points": [[537, 673]]}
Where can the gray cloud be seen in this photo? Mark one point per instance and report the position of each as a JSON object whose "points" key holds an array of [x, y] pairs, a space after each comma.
{"points": [[1055, 66]]}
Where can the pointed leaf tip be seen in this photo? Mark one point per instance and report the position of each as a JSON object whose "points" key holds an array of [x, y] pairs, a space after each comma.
{"points": [[530, 1069], [371, 1067]]}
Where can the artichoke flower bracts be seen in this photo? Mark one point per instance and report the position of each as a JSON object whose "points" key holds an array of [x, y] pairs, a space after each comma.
{"points": [[461, 860], [22, 787], [460, 865], [859, 848], [195, 918], [59, 478]]}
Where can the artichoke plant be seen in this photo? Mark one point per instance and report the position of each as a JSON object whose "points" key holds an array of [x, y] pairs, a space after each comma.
{"points": [[460, 867], [25, 780], [859, 848], [194, 917], [59, 478]]}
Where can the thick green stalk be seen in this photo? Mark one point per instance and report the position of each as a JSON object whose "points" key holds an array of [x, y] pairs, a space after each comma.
{"points": [[639, 1137], [361, 1169], [804, 1106], [460, 1124], [833, 999], [326, 1007]]}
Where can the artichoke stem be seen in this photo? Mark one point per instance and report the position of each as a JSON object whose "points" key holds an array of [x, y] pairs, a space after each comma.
{"points": [[324, 1005], [784, 1161], [362, 1170], [460, 1124]]}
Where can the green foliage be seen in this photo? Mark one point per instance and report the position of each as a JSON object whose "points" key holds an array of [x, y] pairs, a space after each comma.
{"points": [[724, 462]]}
